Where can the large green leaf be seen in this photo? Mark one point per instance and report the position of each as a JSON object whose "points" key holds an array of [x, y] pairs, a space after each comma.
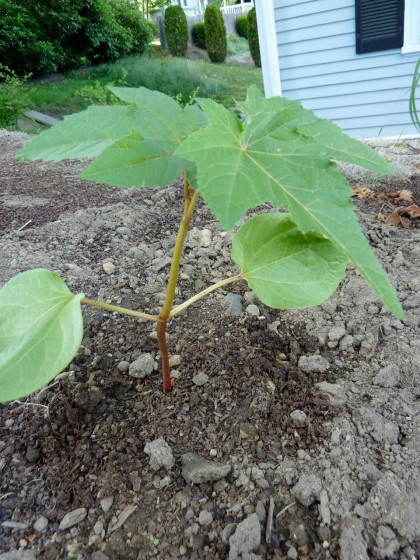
{"points": [[285, 268], [153, 125], [160, 116], [84, 134], [327, 134], [134, 161], [41, 329], [270, 161]]}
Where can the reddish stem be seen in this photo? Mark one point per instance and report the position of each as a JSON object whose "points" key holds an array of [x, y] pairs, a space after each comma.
{"points": [[164, 355]]}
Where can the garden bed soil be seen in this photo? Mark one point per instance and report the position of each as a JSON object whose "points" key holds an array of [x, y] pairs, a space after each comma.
{"points": [[310, 418]]}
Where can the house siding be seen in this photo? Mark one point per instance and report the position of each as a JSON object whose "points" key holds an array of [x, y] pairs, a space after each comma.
{"points": [[365, 94]]}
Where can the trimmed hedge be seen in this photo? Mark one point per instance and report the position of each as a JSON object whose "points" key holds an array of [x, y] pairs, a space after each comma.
{"points": [[242, 26], [254, 45], [215, 29], [176, 30], [44, 36], [199, 35]]}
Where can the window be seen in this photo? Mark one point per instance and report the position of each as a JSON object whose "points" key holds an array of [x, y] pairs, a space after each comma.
{"points": [[411, 27], [380, 25]]}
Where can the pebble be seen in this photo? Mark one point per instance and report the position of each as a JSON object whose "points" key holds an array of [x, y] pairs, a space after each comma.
{"points": [[124, 231], [335, 394], [246, 538], [72, 518], [106, 503], [109, 267], [205, 518], [313, 364], [32, 454], [336, 333], [160, 454], [233, 303], [174, 360], [200, 379], [143, 366], [299, 418], [228, 531], [41, 524], [196, 469], [123, 366], [307, 489], [389, 376], [253, 310]]}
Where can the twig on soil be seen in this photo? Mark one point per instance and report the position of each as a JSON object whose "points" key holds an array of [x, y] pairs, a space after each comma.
{"points": [[269, 526], [283, 511], [24, 225]]}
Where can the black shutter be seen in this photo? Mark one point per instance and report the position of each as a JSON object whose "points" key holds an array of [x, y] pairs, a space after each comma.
{"points": [[379, 25]]}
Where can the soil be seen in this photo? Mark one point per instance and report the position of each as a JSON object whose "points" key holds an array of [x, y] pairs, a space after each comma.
{"points": [[310, 417]]}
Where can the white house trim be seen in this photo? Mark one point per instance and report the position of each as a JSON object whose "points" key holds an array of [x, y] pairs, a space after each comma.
{"points": [[411, 27], [268, 49]]}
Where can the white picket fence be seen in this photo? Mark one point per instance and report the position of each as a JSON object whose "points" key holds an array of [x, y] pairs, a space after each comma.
{"points": [[241, 8]]}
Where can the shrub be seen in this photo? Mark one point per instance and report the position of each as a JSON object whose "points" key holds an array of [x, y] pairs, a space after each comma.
{"points": [[242, 26], [176, 30], [199, 35], [13, 97], [215, 29], [44, 36], [254, 45]]}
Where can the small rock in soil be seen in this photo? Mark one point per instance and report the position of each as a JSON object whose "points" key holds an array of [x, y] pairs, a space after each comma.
{"points": [[333, 392], [106, 503], [246, 538], [41, 524], [299, 418], [253, 310], [205, 518], [160, 454], [197, 470], [72, 518], [200, 379], [32, 454], [234, 304], [389, 376], [313, 364], [143, 366], [109, 267], [307, 489]]}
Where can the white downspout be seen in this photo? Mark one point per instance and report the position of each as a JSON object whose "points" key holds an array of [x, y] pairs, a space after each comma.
{"points": [[268, 47]]}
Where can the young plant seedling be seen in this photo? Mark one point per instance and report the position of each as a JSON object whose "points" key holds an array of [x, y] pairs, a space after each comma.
{"points": [[281, 153]]}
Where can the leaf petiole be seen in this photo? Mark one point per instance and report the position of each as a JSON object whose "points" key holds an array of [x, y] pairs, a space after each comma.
{"points": [[203, 293], [117, 309]]}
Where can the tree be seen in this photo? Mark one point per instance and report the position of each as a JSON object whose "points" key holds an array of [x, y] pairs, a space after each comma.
{"points": [[216, 40]]}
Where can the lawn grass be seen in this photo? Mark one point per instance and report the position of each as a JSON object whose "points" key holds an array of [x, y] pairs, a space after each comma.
{"points": [[175, 77]]}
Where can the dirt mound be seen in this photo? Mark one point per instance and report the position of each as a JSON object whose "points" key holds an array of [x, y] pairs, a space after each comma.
{"points": [[304, 424]]}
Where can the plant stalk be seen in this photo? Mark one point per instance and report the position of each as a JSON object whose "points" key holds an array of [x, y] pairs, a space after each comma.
{"points": [[190, 200]]}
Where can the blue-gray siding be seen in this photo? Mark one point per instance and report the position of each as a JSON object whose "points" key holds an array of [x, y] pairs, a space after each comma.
{"points": [[366, 95]]}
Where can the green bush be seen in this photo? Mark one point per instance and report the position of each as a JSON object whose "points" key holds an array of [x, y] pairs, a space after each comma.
{"points": [[13, 97], [242, 26], [215, 29], [176, 30], [199, 35], [254, 45], [44, 36]]}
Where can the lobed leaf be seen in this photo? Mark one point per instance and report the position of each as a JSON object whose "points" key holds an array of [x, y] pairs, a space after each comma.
{"points": [[285, 268], [81, 135], [271, 161], [134, 161], [41, 329]]}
